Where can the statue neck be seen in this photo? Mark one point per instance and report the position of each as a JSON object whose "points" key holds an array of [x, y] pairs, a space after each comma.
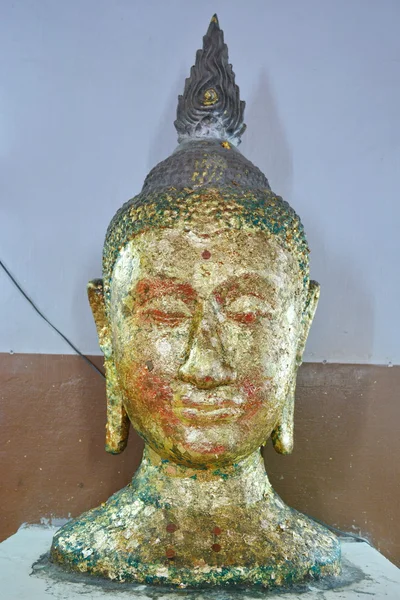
{"points": [[167, 484]]}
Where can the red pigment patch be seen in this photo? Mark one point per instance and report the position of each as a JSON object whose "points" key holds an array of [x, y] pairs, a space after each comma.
{"points": [[206, 254], [156, 397], [160, 316], [216, 547], [219, 298], [147, 289], [217, 531], [255, 394], [250, 389], [245, 318], [171, 527], [170, 553]]}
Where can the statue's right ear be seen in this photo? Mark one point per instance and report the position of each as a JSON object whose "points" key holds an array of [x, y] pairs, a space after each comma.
{"points": [[96, 300], [117, 428]]}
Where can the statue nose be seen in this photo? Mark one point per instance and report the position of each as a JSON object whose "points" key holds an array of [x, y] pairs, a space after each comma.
{"points": [[206, 367]]}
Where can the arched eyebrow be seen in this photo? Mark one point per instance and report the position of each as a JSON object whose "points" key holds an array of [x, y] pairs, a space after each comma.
{"points": [[148, 289], [248, 284]]}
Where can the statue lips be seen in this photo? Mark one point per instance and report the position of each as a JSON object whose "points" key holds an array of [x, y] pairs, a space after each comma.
{"points": [[205, 408]]}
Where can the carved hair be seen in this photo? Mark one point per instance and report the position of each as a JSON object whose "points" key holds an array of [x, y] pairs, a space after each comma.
{"points": [[207, 178]]}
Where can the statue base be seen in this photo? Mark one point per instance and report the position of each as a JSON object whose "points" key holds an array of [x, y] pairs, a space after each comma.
{"points": [[184, 527]]}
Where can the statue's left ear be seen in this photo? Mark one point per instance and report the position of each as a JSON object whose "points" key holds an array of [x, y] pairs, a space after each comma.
{"points": [[308, 317], [117, 427], [282, 435]]}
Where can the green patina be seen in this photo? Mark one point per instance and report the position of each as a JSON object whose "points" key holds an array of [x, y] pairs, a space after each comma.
{"points": [[262, 210], [221, 474]]}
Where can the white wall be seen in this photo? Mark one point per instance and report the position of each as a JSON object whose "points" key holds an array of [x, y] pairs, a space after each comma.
{"points": [[88, 99]]}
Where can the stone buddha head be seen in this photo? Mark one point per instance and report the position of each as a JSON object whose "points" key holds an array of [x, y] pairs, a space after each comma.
{"points": [[206, 302], [202, 315]]}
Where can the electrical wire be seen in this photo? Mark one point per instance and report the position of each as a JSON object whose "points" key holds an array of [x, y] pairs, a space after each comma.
{"points": [[64, 337], [39, 312]]}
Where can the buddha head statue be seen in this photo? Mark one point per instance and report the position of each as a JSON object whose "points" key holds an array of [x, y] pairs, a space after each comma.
{"points": [[206, 300], [202, 315]]}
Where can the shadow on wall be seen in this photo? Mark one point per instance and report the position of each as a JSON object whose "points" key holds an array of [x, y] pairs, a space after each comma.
{"points": [[343, 290], [343, 295], [166, 139], [265, 142]]}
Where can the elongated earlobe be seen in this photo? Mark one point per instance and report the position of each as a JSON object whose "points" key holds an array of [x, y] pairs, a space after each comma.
{"points": [[117, 427], [282, 435]]}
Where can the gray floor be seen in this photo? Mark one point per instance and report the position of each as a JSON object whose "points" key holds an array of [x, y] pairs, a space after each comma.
{"points": [[366, 574]]}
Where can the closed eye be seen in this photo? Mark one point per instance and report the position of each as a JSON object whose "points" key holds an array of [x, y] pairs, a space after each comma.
{"points": [[167, 310], [248, 309]]}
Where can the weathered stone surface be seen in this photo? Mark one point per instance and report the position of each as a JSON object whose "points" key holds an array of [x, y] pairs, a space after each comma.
{"points": [[202, 317]]}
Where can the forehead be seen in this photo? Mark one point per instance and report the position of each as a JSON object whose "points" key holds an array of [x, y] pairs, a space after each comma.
{"points": [[205, 261]]}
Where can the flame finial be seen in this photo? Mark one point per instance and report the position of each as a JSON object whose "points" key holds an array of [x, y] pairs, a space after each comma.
{"points": [[210, 106]]}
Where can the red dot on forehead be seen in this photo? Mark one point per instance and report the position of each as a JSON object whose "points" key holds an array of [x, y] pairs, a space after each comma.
{"points": [[206, 254]]}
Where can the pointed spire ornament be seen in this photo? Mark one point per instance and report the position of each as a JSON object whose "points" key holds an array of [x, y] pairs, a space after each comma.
{"points": [[210, 106]]}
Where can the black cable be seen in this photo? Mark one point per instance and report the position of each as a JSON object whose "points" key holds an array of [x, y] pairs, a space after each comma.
{"points": [[39, 312]]}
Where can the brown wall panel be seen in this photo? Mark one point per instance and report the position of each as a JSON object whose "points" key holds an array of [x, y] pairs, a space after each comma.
{"points": [[345, 467]]}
